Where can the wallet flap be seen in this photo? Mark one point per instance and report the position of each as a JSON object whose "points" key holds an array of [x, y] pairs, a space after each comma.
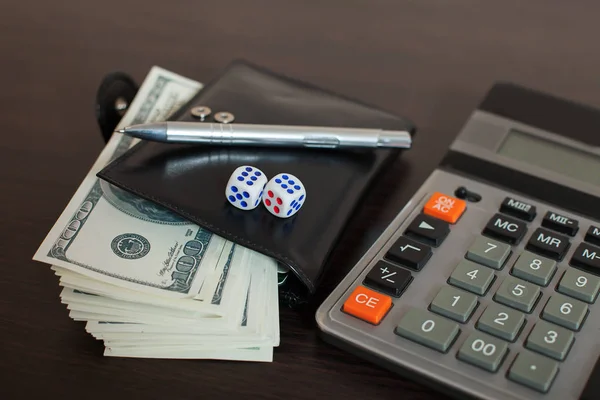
{"points": [[191, 180]]}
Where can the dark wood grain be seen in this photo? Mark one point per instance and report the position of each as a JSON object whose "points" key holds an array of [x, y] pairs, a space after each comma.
{"points": [[429, 60]]}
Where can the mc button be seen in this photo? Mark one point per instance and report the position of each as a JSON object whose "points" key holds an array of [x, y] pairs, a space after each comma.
{"points": [[504, 228], [367, 305]]}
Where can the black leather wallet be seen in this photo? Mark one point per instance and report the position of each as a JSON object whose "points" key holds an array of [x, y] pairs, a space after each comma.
{"points": [[190, 180]]}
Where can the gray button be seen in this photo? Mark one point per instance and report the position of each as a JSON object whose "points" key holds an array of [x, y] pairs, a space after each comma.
{"points": [[472, 277], [427, 329], [534, 268], [579, 284], [483, 351], [501, 321], [453, 303], [565, 311], [517, 293], [534, 371], [550, 340], [488, 252]]}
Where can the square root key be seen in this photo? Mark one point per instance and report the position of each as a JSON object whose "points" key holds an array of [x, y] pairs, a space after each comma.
{"points": [[409, 253]]}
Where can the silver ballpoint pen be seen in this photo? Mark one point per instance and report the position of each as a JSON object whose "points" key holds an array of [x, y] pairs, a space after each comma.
{"points": [[267, 135]]}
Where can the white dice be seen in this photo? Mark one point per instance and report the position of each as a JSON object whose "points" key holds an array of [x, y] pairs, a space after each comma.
{"points": [[245, 187], [284, 195]]}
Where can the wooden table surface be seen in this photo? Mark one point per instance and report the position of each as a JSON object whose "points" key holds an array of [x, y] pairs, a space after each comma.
{"points": [[431, 61]]}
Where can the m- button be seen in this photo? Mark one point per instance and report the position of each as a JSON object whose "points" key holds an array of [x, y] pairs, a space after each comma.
{"points": [[504, 228], [367, 305], [587, 257]]}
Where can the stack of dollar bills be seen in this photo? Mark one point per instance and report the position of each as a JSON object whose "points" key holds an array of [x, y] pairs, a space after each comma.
{"points": [[147, 282]]}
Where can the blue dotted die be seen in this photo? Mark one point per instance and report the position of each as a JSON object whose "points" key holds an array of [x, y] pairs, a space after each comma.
{"points": [[245, 186], [288, 189]]}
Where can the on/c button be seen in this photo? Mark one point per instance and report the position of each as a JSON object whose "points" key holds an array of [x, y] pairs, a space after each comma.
{"points": [[367, 305]]}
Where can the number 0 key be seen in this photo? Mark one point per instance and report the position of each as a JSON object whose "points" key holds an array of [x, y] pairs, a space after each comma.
{"points": [[427, 329]]}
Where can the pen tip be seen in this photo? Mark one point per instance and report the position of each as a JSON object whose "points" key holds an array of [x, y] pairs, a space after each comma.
{"points": [[120, 130]]}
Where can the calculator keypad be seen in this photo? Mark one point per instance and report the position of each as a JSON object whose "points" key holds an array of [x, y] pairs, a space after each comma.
{"points": [[388, 278], [593, 235], [483, 350], [550, 340], [368, 305], [518, 294], [534, 268], [488, 252], [472, 277], [505, 228], [548, 243], [587, 257], [580, 285], [565, 311], [560, 223], [501, 321], [427, 329], [409, 253], [533, 370], [505, 304], [429, 230], [454, 303]]}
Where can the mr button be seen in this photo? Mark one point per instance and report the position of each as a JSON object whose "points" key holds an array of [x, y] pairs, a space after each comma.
{"points": [[548, 243], [504, 228], [367, 305]]}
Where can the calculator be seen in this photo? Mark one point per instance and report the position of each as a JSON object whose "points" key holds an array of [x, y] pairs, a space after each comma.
{"points": [[485, 285]]}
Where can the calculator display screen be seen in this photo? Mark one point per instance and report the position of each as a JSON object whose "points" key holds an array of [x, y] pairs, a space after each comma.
{"points": [[552, 156]]}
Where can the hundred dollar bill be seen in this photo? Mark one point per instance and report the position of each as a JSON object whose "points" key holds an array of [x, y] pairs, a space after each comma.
{"points": [[257, 354], [115, 237]]}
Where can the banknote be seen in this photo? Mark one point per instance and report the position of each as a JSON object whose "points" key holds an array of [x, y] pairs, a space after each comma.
{"points": [[264, 354], [112, 236], [149, 283]]}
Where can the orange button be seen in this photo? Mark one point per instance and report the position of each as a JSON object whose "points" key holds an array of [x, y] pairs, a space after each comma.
{"points": [[446, 208], [367, 305]]}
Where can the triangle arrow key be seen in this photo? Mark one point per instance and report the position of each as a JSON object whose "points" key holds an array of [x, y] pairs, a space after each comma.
{"points": [[425, 225], [428, 230]]}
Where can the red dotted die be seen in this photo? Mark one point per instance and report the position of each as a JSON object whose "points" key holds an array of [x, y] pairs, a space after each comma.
{"points": [[270, 194], [268, 202], [279, 201], [276, 209]]}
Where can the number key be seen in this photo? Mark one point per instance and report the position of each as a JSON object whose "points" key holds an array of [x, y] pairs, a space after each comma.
{"points": [[453, 303], [427, 329], [488, 252], [579, 284], [517, 294], [550, 340], [565, 311], [534, 268], [472, 277], [501, 321], [483, 351]]}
